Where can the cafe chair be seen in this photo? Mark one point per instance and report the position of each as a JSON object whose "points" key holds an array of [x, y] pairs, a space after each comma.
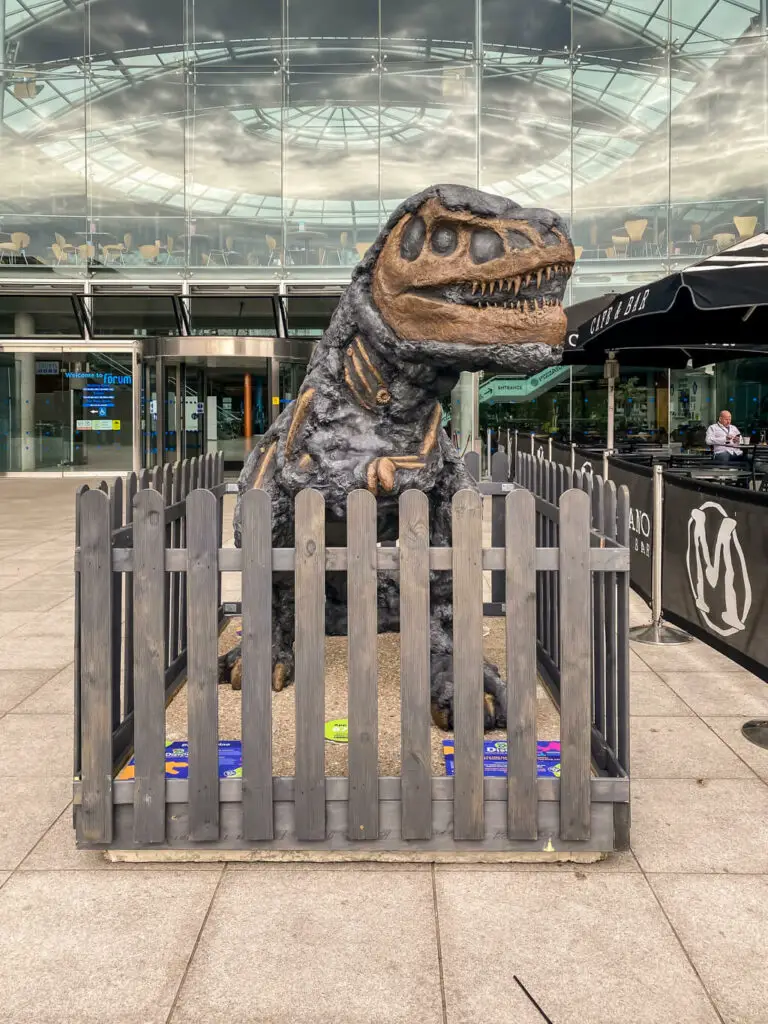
{"points": [[577, 251], [113, 252], [274, 255], [86, 253], [64, 245], [362, 248], [17, 245], [620, 245], [226, 252], [149, 253], [723, 239], [61, 255], [635, 230], [745, 226]]}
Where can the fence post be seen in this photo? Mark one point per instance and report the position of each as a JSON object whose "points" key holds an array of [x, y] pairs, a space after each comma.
{"points": [[202, 696], [520, 541], [149, 666], [256, 707], [363, 821], [468, 809], [415, 770], [658, 632], [96, 666], [575, 633], [310, 665]]}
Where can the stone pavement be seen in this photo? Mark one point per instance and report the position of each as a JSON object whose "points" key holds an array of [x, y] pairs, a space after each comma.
{"points": [[675, 931]]}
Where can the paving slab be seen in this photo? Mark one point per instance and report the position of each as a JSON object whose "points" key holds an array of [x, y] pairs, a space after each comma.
{"points": [[22, 597], [35, 746], [729, 730], [18, 684], [52, 651], [85, 947], [9, 621], [681, 748], [722, 921], [589, 948], [726, 693], [288, 943], [650, 695], [708, 826], [56, 696], [28, 807], [690, 657], [57, 623]]}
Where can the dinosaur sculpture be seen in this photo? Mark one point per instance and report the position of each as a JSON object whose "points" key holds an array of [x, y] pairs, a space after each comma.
{"points": [[457, 280]]}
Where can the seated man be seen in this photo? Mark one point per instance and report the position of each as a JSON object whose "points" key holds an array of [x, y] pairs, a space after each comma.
{"points": [[724, 439]]}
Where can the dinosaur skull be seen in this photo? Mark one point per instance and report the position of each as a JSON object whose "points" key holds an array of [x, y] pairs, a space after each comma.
{"points": [[458, 276]]}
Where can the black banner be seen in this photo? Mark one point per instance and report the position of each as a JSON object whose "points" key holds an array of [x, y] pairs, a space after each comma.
{"points": [[639, 482], [714, 583], [561, 453]]}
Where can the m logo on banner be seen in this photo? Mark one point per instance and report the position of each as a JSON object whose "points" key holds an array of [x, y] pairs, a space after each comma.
{"points": [[540, 452], [724, 571]]}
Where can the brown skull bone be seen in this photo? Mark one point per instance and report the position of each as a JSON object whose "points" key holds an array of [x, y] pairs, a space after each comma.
{"points": [[458, 248]]}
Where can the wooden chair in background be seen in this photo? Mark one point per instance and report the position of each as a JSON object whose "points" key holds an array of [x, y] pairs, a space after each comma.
{"points": [[745, 226], [17, 245]]}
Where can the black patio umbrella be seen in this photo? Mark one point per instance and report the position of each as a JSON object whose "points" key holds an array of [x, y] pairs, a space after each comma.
{"points": [[714, 310]]}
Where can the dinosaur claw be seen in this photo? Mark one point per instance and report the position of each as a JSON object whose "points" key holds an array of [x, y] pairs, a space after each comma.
{"points": [[279, 677]]}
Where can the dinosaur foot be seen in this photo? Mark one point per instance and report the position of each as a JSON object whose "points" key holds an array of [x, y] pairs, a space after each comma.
{"points": [[231, 671], [442, 694]]}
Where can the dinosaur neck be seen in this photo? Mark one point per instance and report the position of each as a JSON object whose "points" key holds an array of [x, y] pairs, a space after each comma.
{"points": [[374, 369]]}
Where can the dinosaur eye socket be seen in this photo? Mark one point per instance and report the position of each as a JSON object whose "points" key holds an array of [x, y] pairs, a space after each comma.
{"points": [[412, 239], [517, 240], [550, 238], [444, 240], [485, 245]]}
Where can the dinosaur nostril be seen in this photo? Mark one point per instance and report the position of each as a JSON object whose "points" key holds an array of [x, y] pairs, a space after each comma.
{"points": [[517, 240], [412, 240], [485, 245]]}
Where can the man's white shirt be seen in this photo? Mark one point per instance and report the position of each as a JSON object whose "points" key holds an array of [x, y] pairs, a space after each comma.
{"points": [[718, 437]]}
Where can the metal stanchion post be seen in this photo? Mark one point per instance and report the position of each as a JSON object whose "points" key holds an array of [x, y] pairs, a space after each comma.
{"points": [[549, 449], [658, 632], [605, 465], [533, 443], [573, 456]]}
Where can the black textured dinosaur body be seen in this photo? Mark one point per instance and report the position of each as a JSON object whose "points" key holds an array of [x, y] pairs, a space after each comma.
{"points": [[457, 280]]}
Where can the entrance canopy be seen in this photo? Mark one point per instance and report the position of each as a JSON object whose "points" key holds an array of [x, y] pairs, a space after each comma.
{"points": [[716, 309]]}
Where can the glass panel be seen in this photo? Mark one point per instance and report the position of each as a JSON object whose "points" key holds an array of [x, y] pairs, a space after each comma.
{"points": [[540, 174], [331, 150], [719, 172], [332, 34], [741, 385], [66, 412], [414, 29], [621, 160], [630, 29], [309, 315], [691, 405], [127, 315], [28, 315], [429, 121], [513, 26], [232, 314]]}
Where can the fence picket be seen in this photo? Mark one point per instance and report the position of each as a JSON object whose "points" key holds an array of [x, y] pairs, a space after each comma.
{"points": [[185, 490], [256, 706], [202, 565], [96, 666], [575, 706], [310, 665], [598, 613], [77, 653], [607, 724], [468, 810], [131, 491], [622, 635], [175, 577], [363, 822], [472, 464], [521, 665], [167, 491], [149, 664], [116, 517], [415, 771]]}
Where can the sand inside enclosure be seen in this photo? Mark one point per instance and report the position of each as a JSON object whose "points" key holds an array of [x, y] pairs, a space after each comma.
{"points": [[284, 706]]}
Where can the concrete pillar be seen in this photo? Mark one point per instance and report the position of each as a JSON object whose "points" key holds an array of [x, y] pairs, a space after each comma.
{"points": [[465, 412], [24, 326]]}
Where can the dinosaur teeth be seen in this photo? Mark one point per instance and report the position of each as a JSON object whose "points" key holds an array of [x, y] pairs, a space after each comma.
{"points": [[482, 288], [538, 278], [508, 283], [475, 286], [517, 285], [491, 287], [549, 272]]}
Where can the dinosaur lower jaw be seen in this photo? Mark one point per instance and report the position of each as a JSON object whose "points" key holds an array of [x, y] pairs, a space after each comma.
{"points": [[531, 291], [421, 316]]}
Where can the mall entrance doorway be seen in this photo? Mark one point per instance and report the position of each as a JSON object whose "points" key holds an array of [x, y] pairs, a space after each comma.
{"points": [[196, 404]]}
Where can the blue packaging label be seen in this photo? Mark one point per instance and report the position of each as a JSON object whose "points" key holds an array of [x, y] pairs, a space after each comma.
{"points": [[495, 758]]}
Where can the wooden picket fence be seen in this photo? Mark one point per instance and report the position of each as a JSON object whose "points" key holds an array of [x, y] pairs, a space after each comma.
{"points": [[169, 557]]}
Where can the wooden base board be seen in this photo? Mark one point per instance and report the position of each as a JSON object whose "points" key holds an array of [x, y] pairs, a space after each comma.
{"points": [[344, 857]]}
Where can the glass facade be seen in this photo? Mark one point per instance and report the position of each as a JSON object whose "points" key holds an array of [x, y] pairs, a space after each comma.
{"points": [[277, 135], [201, 144], [66, 412]]}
